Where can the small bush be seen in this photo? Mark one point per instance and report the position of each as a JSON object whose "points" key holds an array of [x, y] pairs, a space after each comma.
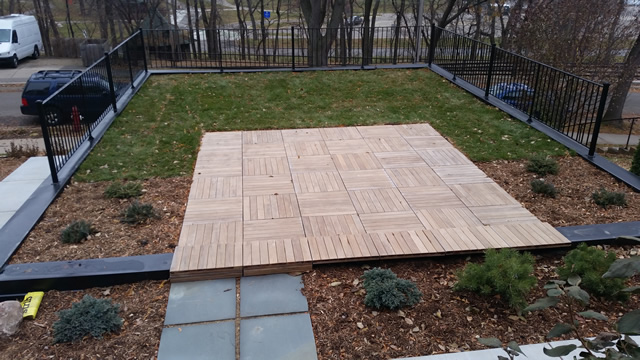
{"points": [[138, 213], [18, 151], [545, 188], [590, 264], [76, 232], [505, 272], [385, 290], [123, 190], [90, 316], [542, 165], [635, 163], [604, 198]]}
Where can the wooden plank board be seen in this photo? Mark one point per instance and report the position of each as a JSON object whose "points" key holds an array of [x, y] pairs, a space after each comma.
{"points": [[399, 159], [347, 146], [446, 218], [313, 182], [216, 187], [306, 148], [263, 150], [396, 221], [484, 194], [356, 161], [428, 142], [413, 130], [378, 200], [443, 157], [502, 214], [256, 230], [388, 144], [209, 210], [267, 184], [301, 135], [265, 166], [461, 174], [414, 176], [313, 163], [366, 179], [261, 136], [323, 204], [340, 133], [378, 131], [332, 225], [427, 197], [261, 207]]}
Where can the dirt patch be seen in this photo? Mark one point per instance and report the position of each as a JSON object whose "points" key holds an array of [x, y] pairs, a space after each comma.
{"points": [[85, 201], [9, 165], [444, 321], [20, 132], [576, 182], [142, 306]]}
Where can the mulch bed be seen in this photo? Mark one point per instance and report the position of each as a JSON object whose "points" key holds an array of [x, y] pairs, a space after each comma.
{"points": [[576, 182], [142, 306], [444, 320], [85, 201], [9, 164]]}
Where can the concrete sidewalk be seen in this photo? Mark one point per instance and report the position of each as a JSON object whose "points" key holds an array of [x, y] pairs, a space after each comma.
{"points": [[20, 185], [618, 139]]}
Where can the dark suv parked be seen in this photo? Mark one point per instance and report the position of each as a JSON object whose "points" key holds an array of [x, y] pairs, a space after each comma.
{"points": [[89, 95]]}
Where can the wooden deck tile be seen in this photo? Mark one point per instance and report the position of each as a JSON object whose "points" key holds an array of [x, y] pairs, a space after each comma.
{"points": [[484, 194], [313, 182], [399, 159], [427, 197], [216, 187], [414, 176], [261, 137], [267, 184], [340, 133], [428, 240], [502, 214], [455, 239], [347, 146], [397, 221], [315, 163], [261, 207], [428, 142], [306, 148], [388, 144], [332, 225], [443, 157], [378, 201], [357, 161], [273, 229], [444, 218], [208, 210], [461, 174], [266, 166], [218, 141], [263, 150], [488, 236], [218, 232], [301, 135], [218, 168], [219, 153], [378, 131], [328, 203], [413, 130], [366, 179]]}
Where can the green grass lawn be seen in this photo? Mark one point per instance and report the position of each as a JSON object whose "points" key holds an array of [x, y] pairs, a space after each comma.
{"points": [[159, 132]]}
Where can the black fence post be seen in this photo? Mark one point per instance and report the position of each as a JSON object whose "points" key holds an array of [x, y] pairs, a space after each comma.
{"points": [[220, 51], [112, 91], [432, 44], [492, 59], [47, 141], [535, 92], [126, 51], [596, 129], [293, 49], [144, 50], [633, 121]]}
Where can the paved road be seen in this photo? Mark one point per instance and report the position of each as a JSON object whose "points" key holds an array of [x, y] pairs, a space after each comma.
{"points": [[632, 105], [10, 104]]}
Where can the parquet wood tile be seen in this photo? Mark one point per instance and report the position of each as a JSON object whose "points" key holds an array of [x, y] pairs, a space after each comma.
{"points": [[305, 148], [208, 210], [263, 150], [399, 159], [332, 225], [414, 130], [272, 229], [347, 146], [414, 176], [216, 187], [301, 135], [372, 201], [340, 133], [220, 141], [358, 161], [388, 144], [261, 207], [445, 218], [443, 157], [428, 142], [461, 174], [326, 203], [315, 163], [484, 194], [397, 221], [366, 179], [427, 197], [267, 184], [218, 168], [266, 166], [378, 131], [261, 136], [502, 214], [217, 232], [314, 182]]}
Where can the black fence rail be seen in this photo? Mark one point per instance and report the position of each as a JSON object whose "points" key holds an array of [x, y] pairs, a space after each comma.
{"points": [[69, 116], [293, 47], [622, 124], [565, 102]]}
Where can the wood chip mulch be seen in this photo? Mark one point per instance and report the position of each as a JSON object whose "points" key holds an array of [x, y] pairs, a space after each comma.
{"points": [[576, 182], [142, 307], [85, 201], [444, 321]]}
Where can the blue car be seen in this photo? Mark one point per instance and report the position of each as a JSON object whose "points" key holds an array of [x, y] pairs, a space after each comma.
{"points": [[520, 96]]}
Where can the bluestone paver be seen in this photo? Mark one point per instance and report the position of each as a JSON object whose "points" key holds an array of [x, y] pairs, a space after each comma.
{"points": [[203, 341], [35, 168], [199, 301], [284, 337], [271, 294]]}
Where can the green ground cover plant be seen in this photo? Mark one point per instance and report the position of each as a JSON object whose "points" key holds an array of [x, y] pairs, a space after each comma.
{"points": [[138, 213], [159, 132], [90, 316], [385, 290], [542, 165], [545, 188], [121, 190], [635, 164], [606, 198], [76, 232]]}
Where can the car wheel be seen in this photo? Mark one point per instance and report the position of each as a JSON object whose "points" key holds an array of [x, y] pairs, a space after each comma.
{"points": [[14, 61], [52, 116], [36, 53]]}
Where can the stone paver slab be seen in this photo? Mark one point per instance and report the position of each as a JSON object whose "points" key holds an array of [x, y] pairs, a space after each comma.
{"points": [[193, 342], [271, 294], [198, 301], [15, 193], [35, 168], [277, 337]]}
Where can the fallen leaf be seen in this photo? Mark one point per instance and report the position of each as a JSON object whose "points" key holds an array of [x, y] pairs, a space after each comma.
{"points": [[336, 283]]}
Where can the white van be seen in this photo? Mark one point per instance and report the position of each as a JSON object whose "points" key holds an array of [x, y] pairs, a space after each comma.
{"points": [[19, 38]]}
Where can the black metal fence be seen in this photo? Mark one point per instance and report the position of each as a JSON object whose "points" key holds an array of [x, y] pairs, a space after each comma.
{"points": [[69, 116], [621, 124], [565, 102]]}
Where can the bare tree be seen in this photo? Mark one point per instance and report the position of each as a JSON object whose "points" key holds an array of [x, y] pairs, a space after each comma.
{"points": [[315, 12], [623, 82]]}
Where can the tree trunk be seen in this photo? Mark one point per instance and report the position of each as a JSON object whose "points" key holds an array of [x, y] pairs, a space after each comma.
{"points": [[44, 29], [314, 12], [194, 49], [112, 25], [82, 9], [275, 45], [212, 34], [625, 79], [73, 36], [263, 32], [243, 29], [52, 21]]}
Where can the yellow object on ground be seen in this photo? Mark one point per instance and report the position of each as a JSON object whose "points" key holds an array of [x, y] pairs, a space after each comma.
{"points": [[31, 303]]}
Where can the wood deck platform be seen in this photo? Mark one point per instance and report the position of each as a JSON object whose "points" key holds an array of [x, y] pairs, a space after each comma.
{"points": [[281, 200]]}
